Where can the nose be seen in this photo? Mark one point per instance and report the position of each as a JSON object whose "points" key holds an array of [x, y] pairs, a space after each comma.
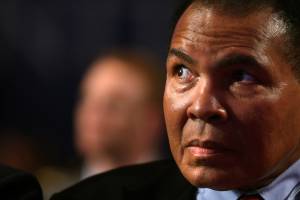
{"points": [[205, 104]]}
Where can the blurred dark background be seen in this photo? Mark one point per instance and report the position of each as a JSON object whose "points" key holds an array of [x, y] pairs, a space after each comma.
{"points": [[45, 47]]}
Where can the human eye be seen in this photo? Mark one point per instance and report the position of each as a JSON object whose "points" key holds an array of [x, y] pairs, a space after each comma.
{"points": [[244, 83], [183, 73], [243, 77]]}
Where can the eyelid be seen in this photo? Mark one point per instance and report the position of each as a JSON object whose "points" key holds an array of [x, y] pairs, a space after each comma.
{"points": [[177, 67], [181, 66]]}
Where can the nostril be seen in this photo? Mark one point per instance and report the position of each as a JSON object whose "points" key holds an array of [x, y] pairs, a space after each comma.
{"points": [[192, 116], [214, 118]]}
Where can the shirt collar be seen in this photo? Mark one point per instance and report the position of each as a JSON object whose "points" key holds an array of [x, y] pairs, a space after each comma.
{"points": [[282, 186], [208, 194], [279, 189]]}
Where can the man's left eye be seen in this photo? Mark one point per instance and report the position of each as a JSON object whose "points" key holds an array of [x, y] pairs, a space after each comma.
{"points": [[244, 77]]}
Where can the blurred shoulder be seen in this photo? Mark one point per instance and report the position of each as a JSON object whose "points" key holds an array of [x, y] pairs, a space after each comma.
{"points": [[113, 184], [16, 184]]}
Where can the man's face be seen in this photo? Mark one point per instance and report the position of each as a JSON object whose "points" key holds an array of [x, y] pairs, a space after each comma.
{"points": [[106, 119], [231, 100]]}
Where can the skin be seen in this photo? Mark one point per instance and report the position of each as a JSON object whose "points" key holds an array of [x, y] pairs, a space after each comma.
{"points": [[112, 114], [231, 100]]}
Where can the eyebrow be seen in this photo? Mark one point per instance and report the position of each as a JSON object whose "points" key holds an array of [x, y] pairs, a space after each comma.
{"points": [[229, 60], [178, 53]]}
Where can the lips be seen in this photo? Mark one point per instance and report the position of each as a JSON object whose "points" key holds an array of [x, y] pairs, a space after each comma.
{"points": [[205, 148]]}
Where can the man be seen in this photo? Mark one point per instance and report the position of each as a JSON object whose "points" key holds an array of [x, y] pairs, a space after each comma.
{"points": [[231, 109], [118, 118], [17, 185]]}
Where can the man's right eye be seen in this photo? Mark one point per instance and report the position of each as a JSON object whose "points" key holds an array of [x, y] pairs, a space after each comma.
{"points": [[183, 73]]}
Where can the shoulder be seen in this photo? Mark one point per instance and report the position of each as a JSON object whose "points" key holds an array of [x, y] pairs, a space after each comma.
{"points": [[15, 184], [109, 185]]}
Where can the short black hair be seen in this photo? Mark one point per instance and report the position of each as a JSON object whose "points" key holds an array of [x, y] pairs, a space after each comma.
{"points": [[288, 11]]}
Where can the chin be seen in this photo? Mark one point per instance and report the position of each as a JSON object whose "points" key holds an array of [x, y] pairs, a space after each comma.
{"points": [[210, 177]]}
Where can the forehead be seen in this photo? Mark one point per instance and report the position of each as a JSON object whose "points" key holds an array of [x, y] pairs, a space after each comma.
{"points": [[212, 29], [112, 76], [110, 70]]}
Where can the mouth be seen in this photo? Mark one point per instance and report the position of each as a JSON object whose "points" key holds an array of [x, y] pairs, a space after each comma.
{"points": [[205, 149]]}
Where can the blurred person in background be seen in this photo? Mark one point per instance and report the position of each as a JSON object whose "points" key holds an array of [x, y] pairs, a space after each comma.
{"points": [[18, 185], [118, 119], [19, 150], [19, 159]]}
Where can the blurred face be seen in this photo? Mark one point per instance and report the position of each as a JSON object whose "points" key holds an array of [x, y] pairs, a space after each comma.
{"points": [[231, 101], [107, 117]]}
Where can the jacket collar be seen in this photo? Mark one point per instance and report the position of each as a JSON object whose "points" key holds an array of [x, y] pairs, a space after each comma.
{"points": [[170, 186]]}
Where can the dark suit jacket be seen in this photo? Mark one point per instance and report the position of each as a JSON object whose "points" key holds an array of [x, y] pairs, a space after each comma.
{"points": [[153, 181], [17, 185]]}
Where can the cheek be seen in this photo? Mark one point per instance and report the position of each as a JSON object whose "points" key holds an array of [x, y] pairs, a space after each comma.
{"points": [[260, 124], [83, 123], [255, 118], [255, 113], [175, 106]]}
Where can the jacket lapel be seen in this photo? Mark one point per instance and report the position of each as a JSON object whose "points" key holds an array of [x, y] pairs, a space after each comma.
{"points": [[173, 187], [188, 194], [138, 193]]}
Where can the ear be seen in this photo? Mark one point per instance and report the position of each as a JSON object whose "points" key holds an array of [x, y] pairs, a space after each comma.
{"points": [[154, 122]]}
